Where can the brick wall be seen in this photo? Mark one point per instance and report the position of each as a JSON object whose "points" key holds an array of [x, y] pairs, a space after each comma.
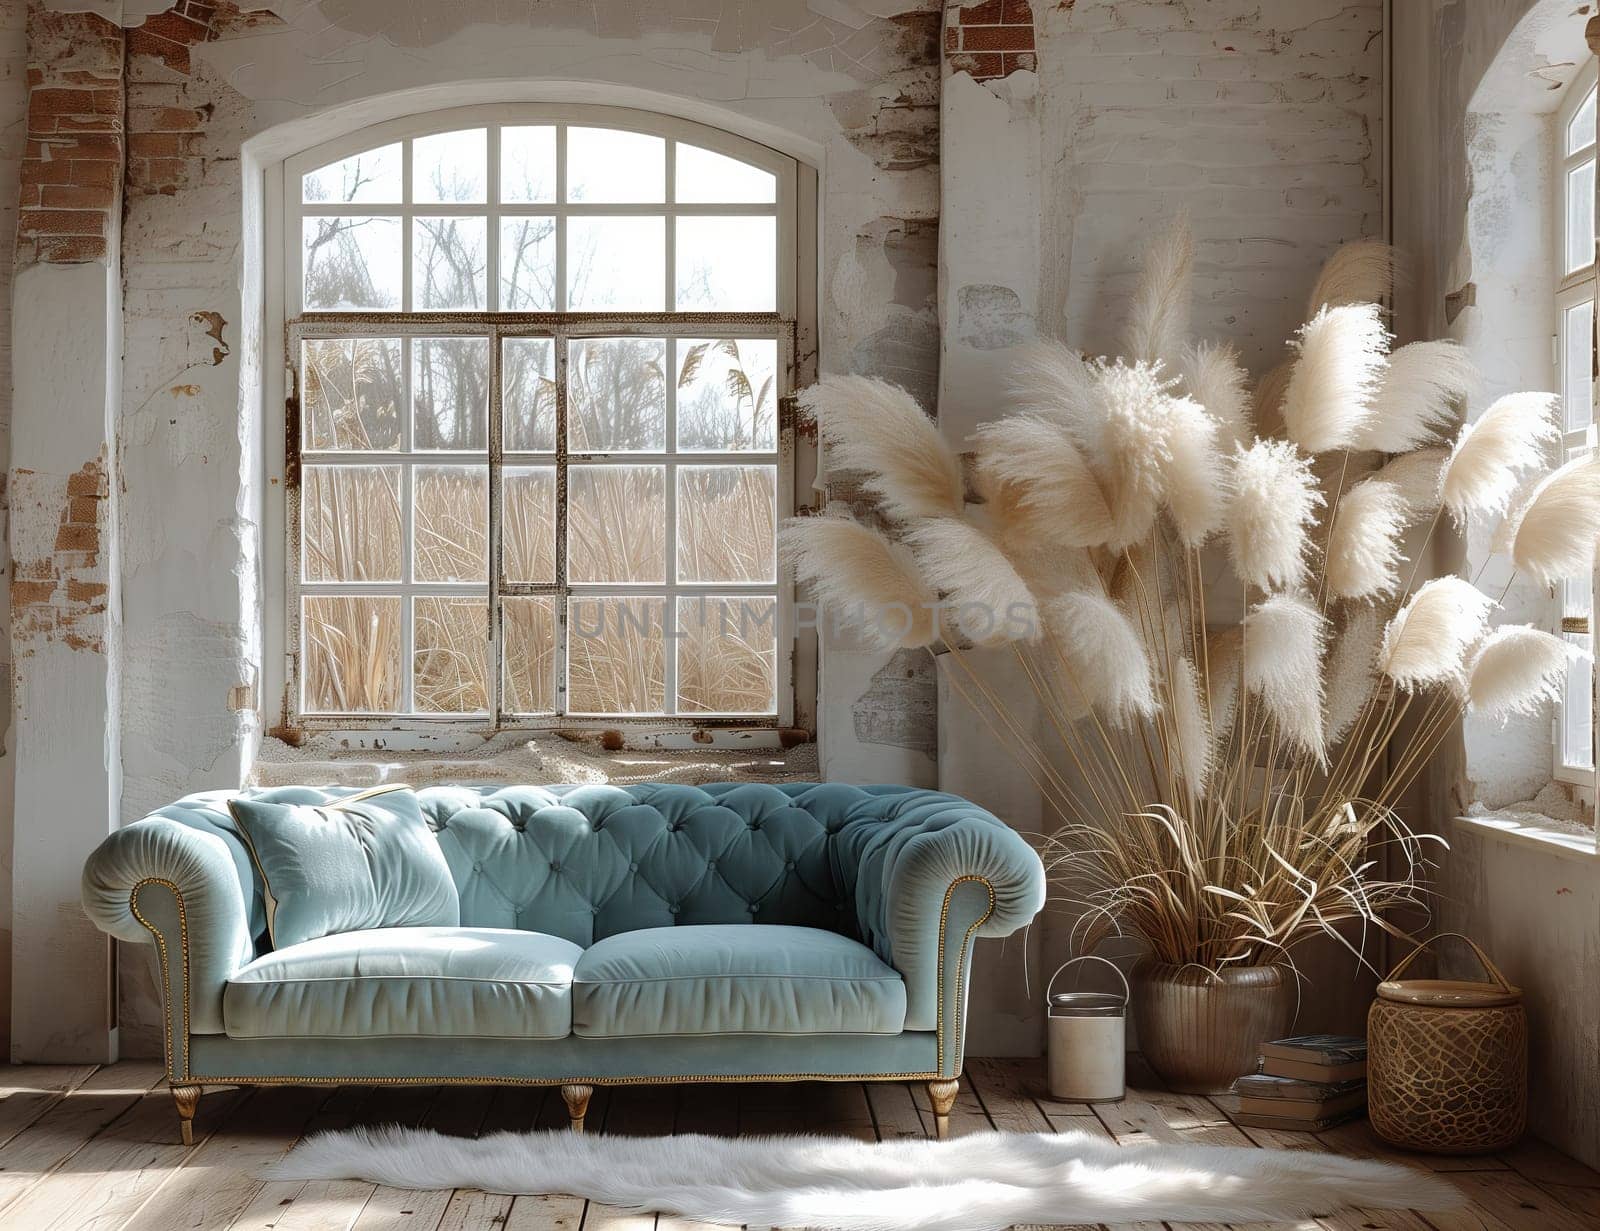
{"points": [[70, 198], [990, 40]]}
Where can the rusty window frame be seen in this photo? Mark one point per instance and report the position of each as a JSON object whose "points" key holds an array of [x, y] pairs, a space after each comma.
{"points": [[792, 326]]}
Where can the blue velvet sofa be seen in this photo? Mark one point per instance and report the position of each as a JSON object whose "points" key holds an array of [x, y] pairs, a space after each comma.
{"points": [[609, 935]]}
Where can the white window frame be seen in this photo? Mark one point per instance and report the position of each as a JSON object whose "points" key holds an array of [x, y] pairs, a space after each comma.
{"points": [[792, 323], [1573, 289]]}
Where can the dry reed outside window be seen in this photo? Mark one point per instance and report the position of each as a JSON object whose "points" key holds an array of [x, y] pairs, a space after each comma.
{"points": [[535, 458]]}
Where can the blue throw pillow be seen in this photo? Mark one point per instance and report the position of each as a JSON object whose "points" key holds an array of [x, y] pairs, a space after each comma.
{"points": [[365, 861]]}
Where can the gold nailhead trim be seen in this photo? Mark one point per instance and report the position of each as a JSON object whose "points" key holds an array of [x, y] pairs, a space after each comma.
{"points": [[961, 970], [166, 978]]}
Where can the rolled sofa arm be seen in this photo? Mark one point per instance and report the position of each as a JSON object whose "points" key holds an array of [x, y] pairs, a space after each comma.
{"points": [[161, 880], [947, 872]]}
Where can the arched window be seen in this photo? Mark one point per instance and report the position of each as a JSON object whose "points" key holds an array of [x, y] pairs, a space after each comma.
{"points": [[1575, 346], [535, 448]]}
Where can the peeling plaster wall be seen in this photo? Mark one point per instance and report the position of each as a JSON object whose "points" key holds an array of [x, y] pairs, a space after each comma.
{"points": [[1476, 83], [217, 90]]}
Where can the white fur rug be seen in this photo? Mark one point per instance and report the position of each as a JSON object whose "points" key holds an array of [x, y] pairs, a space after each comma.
{"points": [[978, 1182]]}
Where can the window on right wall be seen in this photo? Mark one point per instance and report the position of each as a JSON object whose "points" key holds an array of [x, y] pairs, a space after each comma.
{"points": [[1575, 135]]}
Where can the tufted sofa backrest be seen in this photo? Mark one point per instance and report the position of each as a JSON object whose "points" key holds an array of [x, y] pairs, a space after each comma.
{"points": [[586, 862]]}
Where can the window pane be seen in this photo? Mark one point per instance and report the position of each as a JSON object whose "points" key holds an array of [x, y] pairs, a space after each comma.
{"points": [[616, 395], [449, 167], [727, 264], [616, 524], [350, 523], [726, 520], [727, 655], [616, 264], [528, 523], [1577, 707], [615, 655], [450, 393], [528, 394], [350, 393], [350, 651], [1580, 131], [1577, 340], [608, 166], [447, 263], [527, 264], [372, 175], [1580, 215], [351, 264], [706, 177], [451, 524], [727, 395], [530, 655], [451, 655], [528, 165]]}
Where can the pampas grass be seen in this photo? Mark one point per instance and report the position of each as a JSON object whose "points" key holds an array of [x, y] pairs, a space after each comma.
{"points": [[1191, 727], [1417, 396], [1359, 272], [1480, 475], [848, 564], [1102, 655], [878, 428], [1329, 399], [1132, 440], [1352, 672], [1052, 380], [1158, 324], [1284, 638], [1516, 669], [1554, 531], [1416, 476], [1428, 638], [1227, 793], [986, 597], [1035, 461], [1196, 476], [1213, 377], [1272, 504], [1363, 552]]}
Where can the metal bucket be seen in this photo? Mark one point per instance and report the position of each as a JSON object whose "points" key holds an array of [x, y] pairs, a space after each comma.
{"points": [[1087, 1041]]}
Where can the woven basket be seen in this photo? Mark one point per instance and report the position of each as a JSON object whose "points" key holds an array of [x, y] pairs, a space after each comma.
{"points": [[1447, 1061]]}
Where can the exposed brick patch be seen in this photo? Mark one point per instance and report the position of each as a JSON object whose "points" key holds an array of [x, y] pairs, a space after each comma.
{"points": [[167, 148], [990, 40], [169, 36], [70, 195], [63, 595]]}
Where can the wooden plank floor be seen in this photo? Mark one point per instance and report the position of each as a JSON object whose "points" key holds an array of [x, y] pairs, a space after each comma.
{"points": [[98, 1148]]}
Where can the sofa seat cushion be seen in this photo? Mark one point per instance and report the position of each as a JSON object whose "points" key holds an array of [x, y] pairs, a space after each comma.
{"points": [[407, 982], [740, 978]]}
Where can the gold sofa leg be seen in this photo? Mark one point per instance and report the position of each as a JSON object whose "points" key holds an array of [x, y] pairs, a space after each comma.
{"points": [[577, 1101], [187, 1099], [942, 1094]]}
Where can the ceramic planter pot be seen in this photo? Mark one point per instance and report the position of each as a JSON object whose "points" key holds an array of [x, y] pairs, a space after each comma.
{"points": [[1200, 1029]]}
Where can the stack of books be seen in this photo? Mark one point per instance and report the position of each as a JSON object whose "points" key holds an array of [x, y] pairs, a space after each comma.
{"points": [[1305, 1084]]}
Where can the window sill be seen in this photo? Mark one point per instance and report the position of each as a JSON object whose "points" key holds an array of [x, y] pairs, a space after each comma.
{"points": [[325, 760], [1548, 836]]}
